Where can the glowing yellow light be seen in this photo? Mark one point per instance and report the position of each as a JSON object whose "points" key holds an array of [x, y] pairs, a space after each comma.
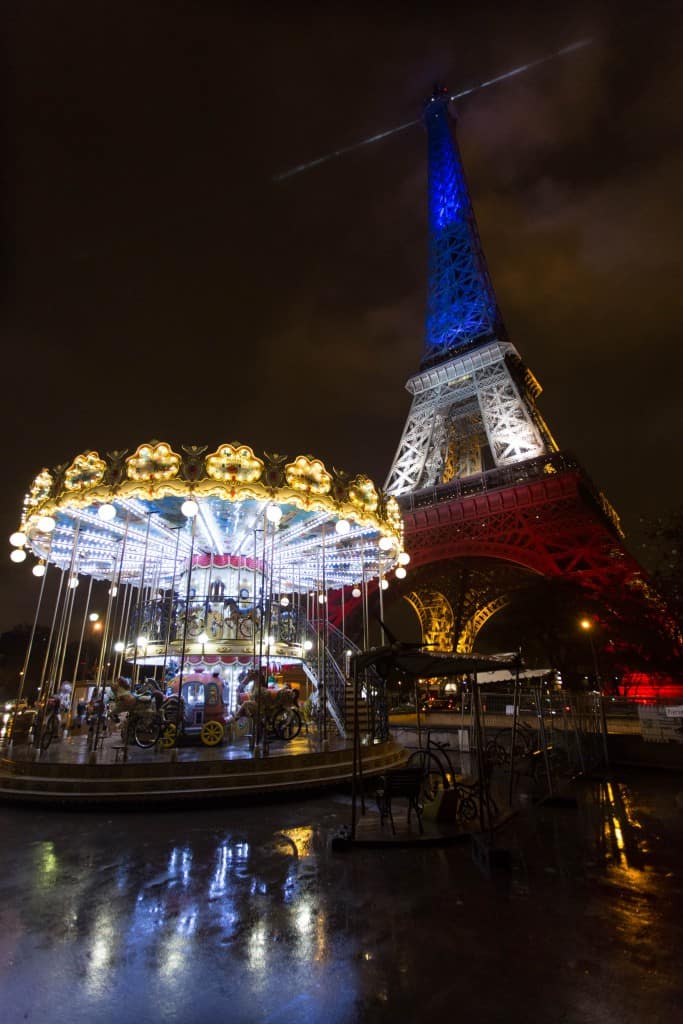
{"points": [[273, 514]]}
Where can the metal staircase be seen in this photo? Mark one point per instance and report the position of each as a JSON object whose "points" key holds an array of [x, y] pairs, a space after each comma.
{"points": [[332, 649]]}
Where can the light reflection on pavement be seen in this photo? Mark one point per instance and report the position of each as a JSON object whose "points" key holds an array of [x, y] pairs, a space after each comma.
{"points": [[246, 914]]}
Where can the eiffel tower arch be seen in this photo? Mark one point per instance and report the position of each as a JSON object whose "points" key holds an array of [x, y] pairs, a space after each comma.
{"points": [[453, 609], [484, 488]]}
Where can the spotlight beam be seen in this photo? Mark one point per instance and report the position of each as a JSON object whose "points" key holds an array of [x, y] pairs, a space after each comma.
{"points": [[571, 48]]}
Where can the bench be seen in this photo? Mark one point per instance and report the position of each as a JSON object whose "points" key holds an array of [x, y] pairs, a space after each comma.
{"points": [[400, 782]]}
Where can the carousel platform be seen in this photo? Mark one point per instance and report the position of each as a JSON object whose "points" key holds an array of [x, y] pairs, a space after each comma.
{"points": [[67, 773]]}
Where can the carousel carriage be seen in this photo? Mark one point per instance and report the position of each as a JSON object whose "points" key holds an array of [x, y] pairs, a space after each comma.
{"points": [[202, 711]]}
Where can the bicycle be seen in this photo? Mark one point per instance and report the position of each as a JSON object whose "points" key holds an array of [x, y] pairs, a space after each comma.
{"points": [[499, 749], [98, 718], [47, 723], [435, 775], [438, 774], [281, 719], [143, 725], [285, 723], [528, 751]]}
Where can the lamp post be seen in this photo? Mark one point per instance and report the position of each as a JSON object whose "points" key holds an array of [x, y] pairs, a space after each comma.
{"points": [[587, 627]]}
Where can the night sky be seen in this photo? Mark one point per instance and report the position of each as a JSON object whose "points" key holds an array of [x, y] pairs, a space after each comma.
{"points": [[160, 285]]}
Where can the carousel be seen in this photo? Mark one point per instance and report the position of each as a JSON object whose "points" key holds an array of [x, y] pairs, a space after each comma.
{"points": [[208, 564]]}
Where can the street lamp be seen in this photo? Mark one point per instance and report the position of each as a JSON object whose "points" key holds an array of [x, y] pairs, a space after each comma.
{"points": [[587, 627]]}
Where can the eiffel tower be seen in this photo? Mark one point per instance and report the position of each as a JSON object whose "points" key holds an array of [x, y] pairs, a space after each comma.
{"points": [[489, 500]]}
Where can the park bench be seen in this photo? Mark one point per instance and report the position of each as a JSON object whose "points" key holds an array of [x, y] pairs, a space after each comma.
{"points": [[404, 783]]}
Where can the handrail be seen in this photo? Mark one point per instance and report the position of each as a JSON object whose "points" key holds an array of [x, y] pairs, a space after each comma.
{"points": [[375, 690]]}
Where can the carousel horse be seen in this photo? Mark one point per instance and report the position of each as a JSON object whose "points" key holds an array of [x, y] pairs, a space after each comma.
{"points": [[275, 699], [246, 621], [195, 623], [279, 709]]}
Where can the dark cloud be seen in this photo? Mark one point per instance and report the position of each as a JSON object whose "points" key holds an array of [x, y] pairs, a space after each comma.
{"points": [[161, 285]]}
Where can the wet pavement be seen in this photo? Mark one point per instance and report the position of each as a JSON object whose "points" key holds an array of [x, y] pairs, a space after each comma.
{"points": [[74, 749], [246, 914]]}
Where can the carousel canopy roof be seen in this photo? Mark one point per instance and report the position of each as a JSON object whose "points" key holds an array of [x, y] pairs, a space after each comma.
{"points": [[154, 511], [404, 658]]}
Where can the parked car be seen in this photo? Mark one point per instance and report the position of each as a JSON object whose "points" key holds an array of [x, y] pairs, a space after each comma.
{"points": [[440, 704]]}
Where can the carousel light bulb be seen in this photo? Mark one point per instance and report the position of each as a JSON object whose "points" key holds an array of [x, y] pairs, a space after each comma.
{"points": [[113, 590], [119, 646], [142, 641], [322, 598], [203, 638], [18, 539], [18, 555], [355, 592], [384, 584], [400, 573], [189, 508], [385, 543], [307, 645], [403, 558], [73, 582], [106, 512], [343, 526], [46, 524], [38, 569], [273, 514], [94, 616], [270, 640], [284, 602]]}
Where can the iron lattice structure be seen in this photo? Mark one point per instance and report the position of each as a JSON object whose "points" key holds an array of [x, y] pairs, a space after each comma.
{"points": [[461, 303], [477, 472], [474, 402]]}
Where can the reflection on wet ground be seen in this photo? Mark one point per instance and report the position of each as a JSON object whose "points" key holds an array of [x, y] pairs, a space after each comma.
{"points": [[246, 914]]}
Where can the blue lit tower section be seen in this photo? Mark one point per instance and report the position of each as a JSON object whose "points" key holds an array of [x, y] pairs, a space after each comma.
{"points": [[461, 304], [474, 402]]}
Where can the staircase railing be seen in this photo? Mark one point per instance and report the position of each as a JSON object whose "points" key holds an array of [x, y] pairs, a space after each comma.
{"points": [[330, 703], [335, 645], [330, 674]]}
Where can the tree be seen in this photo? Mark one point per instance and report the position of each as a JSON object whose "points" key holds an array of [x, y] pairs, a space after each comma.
{"points": [[661, 550]]}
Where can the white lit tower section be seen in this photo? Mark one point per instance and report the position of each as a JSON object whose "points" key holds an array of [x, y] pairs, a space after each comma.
{"points": [[473, 406]]}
